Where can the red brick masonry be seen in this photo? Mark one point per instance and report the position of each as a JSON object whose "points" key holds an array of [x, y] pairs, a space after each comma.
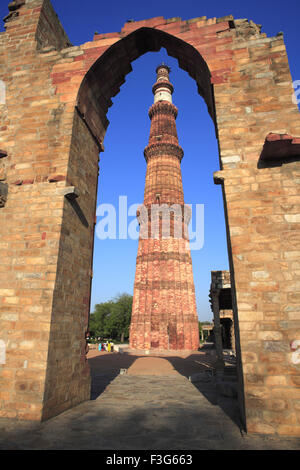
{"points": [[164, 314]]}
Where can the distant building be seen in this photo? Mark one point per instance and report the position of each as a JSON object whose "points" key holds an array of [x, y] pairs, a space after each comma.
{"points": [[220, 291]]}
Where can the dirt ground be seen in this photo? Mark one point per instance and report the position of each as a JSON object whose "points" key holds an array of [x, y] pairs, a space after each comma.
{"points": [[102, 362]]}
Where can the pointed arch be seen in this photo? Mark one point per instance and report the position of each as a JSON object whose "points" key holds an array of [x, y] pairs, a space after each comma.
{"points": [[104, 79]]}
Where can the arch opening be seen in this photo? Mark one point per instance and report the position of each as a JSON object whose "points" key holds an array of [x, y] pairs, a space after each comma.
{"points": [[107, 74], [97, 72], [101, 83], [193, 126]]}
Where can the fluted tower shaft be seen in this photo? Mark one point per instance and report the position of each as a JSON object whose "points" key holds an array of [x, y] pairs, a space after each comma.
{"points": [[164, 314]]}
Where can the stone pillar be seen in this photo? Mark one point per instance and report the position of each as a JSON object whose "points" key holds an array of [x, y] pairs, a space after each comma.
{"points": [[232, 335], [217, 329]]}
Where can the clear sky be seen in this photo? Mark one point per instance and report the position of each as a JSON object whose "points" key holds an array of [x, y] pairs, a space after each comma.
{"points": [[122, 167]]}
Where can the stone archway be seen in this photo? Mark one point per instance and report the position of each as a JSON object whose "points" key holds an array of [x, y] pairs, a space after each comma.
{"points": [[52, 129], [107, 74]]}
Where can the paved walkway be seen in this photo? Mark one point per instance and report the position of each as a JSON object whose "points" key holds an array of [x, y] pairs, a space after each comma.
{"points": [[151, 407]]}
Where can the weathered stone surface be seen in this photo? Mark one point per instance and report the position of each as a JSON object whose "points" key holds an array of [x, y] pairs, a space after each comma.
{"points": [[227, 389], [143, 411], [201, 377], [279, 148], [3, 194]]}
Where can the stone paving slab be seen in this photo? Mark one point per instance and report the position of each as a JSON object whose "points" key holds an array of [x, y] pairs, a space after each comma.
{"points": [[137, 411], [140, 413]]}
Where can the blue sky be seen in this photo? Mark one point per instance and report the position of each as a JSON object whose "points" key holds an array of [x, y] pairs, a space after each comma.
{"points": [[122, 166]]}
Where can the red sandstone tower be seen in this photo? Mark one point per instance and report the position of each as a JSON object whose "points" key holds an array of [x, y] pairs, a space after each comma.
{"points": [[164, 314]]}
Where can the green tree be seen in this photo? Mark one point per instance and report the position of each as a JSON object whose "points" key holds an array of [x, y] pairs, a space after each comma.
{"points": [[98, 319], [112, 319]]}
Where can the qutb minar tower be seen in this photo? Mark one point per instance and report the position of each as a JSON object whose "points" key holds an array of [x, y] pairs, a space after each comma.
{"points": [[164, 314]]}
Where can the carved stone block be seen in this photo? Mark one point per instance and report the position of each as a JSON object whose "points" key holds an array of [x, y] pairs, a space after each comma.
{"points": [[13, 7]]}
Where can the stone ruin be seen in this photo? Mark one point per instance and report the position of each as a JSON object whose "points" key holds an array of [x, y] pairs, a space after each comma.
{"points": [[221, 305]]}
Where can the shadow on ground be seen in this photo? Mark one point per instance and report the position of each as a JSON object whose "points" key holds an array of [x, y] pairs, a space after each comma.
{"points": [[141, 428], [104, 425], [105, 368], [141, 412]]}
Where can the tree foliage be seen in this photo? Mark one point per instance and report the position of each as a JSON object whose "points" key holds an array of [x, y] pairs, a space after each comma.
{"points": [[111, 320]]}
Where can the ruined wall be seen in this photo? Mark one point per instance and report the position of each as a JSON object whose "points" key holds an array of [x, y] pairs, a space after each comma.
{"points": [[68, 376], [221, 287], [247, 87], [37, 251], [49, 32]]}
